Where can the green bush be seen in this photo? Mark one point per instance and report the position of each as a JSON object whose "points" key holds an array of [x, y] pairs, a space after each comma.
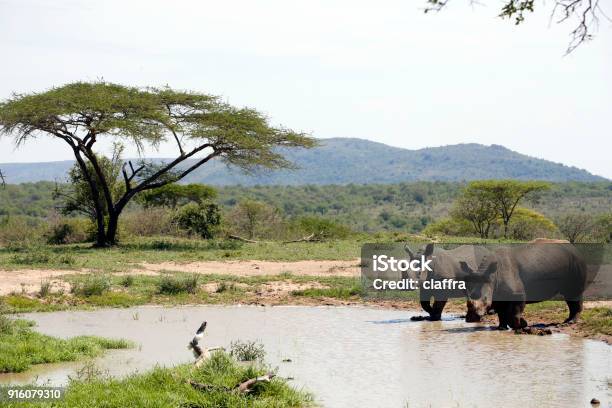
{"points": [[173, 285], [320, 228], [247, 351], [527, 224], [91, 285], [202, 219], [150, 222], [70, 231], [19, 231], [450, 227], [127, 281]]}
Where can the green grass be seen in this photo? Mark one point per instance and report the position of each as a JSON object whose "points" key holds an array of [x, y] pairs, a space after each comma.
{"points": [[174, 284], [170, 388], [130, 254], [337, 292], [596, 321], [22, 347], [91, 285]]}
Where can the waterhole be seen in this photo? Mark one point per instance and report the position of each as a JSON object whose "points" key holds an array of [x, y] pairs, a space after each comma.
{"points": [[353, 356]]}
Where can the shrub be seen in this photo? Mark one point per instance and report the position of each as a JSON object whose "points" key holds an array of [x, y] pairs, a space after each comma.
{"points": [[528, 224], [45, 289], [247, 351], [199, 219], [70, 231], [6, 324], [33, 257], [256, 219], [150, 222], [127, 281], [449, 226], [172, 285], [91, 285], [19, 232], [322, 228]]}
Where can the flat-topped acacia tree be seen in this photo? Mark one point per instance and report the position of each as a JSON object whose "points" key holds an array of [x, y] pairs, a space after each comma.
{"points": [[202, 127]]}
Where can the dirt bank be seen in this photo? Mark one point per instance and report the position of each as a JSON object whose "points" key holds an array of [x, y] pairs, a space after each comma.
{"points": [[29, 280], [257, 268]]}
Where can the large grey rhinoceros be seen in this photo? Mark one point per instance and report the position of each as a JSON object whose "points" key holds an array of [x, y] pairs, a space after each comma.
{"points": [[530, 273], [446, 264]]}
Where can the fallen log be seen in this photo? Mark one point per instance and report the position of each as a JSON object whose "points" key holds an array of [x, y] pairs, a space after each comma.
{"points": [[308, 238], [237, 238], [247, 386]]}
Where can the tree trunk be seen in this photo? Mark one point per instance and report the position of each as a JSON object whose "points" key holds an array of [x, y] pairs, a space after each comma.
{"points": [[111, 231], [506, 228]]}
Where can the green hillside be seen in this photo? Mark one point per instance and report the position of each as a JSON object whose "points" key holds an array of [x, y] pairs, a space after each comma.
{"points": [[357, 161], [373, 207]]}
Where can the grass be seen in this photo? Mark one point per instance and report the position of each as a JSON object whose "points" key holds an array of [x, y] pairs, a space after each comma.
{"points": [[337, 292], [596, 321], [170, 388], [169, 289], [22, 347], [129, 254], [91, 285], [174, 284]]}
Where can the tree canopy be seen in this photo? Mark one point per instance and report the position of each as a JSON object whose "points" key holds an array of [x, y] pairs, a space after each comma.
{"points": [[202, 126], [584, 14], [172, 195], [504, 195]]}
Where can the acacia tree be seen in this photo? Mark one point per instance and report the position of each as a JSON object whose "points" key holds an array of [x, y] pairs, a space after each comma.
{"points": [[202, 127], [475, 206], [575, 226], [585, 15], [2, 180], [505, 195], [172, 195]]}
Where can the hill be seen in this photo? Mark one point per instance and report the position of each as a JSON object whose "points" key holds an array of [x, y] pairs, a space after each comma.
{"points": [[357, 161]]}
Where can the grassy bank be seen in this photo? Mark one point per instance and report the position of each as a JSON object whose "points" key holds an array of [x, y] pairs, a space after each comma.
{"points": [[169, 289], [129, 254], [170, 387], [22, 347]]}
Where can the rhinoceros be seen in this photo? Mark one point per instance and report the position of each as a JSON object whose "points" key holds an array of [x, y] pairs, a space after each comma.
{"points": [[514, 276], [446, 264]]}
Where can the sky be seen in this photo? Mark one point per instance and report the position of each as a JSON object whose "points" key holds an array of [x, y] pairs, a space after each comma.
{"points": [[383, 71]]}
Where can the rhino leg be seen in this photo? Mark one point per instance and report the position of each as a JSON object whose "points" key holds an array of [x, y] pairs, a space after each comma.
{"points": [[575, 308], [503, 312], [426, 305], [436, 310], [516, 315], [510, 315]]}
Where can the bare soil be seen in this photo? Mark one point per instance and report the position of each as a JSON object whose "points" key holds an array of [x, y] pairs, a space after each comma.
{"points": [[256, 268]]}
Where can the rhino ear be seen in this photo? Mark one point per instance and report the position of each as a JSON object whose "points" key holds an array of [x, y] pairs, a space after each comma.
{"points": [[409, 251], [429, 248]]}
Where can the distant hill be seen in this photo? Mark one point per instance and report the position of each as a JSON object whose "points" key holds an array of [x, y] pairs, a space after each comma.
{"points": [[345, 160]]}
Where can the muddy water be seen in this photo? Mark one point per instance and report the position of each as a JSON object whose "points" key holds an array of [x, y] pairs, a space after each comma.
{"points": [[356, 357]]}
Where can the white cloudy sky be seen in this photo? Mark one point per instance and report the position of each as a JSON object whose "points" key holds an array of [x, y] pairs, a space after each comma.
{"points": [[381, 70]]}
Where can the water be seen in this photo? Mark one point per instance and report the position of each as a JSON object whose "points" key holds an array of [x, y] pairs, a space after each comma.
{"points": [[355, 357]]}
